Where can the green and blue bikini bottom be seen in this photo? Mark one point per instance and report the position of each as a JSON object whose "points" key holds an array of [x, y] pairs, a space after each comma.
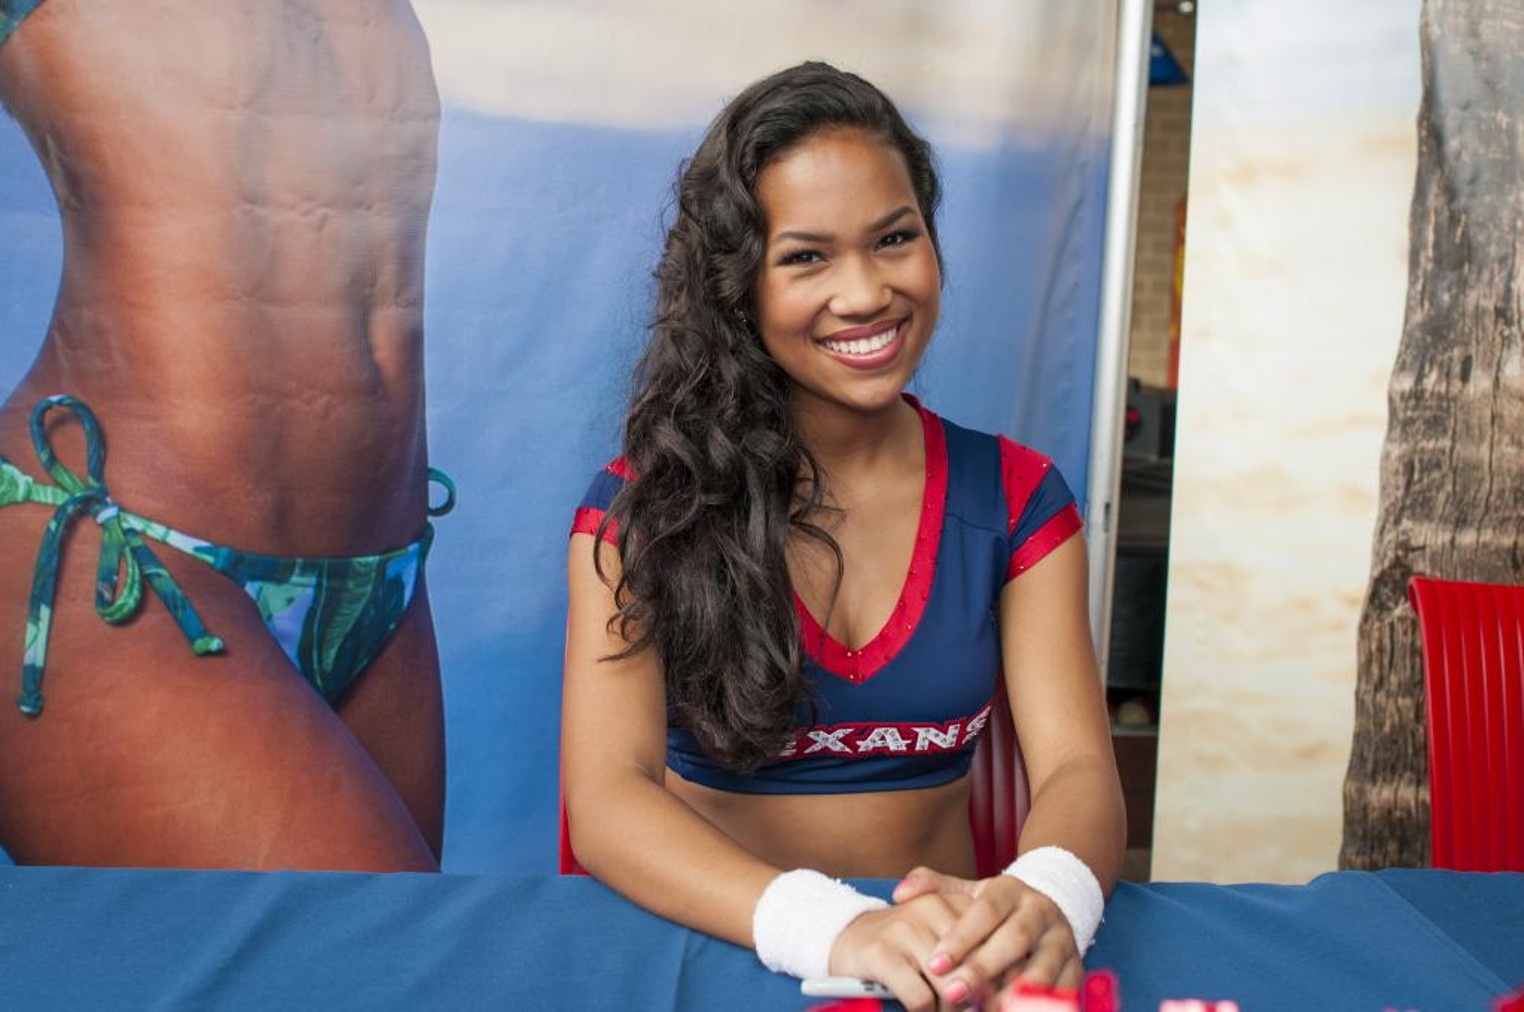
{"points": [[331, 616], [12, 13]]}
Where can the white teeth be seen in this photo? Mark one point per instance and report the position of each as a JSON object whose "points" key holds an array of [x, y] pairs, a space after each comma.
{"points": [[864, 345]]}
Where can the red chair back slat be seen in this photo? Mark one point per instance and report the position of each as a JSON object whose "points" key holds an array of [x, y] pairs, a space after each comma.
{"points": [[998, 796], [569, 865], [1473, 649], [567, 861]]}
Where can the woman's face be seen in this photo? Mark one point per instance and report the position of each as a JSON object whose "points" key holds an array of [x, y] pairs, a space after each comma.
{"points": [[849, 288]]}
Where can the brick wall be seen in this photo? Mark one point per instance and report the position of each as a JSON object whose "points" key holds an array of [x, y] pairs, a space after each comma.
{"points": [[1161, 185]]}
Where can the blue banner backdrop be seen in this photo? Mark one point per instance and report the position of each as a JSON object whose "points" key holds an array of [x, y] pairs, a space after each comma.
{"points": [[561, 135]]}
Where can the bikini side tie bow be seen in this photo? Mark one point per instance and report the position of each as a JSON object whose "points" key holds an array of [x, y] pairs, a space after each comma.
{"points": [[125, 563]]}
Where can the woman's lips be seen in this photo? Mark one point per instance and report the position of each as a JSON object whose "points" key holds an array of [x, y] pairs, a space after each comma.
{"points": [[869, 347]]}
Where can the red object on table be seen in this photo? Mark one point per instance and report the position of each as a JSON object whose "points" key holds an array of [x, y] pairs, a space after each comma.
{"points": [[1099, 992], [851, 1005], [1028, 997], [1473, 658], [1510, 1003]]}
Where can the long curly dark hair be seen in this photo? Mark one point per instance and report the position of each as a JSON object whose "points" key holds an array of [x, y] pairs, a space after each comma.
{"points": [[720, 475]]}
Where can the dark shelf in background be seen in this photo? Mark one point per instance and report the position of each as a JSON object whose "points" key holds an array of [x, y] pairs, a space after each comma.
{"points": [[1144, 505], [1134, 667], [1140, 575]]}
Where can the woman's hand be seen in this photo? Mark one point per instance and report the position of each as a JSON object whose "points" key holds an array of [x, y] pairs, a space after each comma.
{"points": [[1004, 925], [894, 946]]}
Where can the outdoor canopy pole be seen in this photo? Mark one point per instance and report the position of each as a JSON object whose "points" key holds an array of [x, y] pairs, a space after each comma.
{"points": [[1109, 397]]}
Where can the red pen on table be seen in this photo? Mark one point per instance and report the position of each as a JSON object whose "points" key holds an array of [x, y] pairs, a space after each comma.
{"points": [[851, 1005]]}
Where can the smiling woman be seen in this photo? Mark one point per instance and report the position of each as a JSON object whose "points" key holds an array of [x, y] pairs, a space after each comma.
{"points": [[793, 596]]}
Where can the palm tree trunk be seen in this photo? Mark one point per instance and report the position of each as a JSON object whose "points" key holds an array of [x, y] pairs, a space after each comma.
{"points": [[1452, 467]]}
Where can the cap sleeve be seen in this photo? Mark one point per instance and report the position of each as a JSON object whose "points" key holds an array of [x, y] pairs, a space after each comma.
{"points": [[1041, 508], [597, 499]]}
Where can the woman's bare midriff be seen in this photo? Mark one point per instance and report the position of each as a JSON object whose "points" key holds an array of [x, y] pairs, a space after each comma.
{"points": [[244, 235], [882, 834]]}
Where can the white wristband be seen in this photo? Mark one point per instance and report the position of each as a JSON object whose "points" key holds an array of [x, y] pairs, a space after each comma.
{"points": [[799, 916], [1069, 883]]}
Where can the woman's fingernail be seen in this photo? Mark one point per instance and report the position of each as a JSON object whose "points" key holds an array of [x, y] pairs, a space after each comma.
{"points": [[956, 991], [940, 963]]}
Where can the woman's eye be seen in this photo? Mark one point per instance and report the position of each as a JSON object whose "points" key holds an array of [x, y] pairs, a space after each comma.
{"points": [[898, 238], [800, 256]]}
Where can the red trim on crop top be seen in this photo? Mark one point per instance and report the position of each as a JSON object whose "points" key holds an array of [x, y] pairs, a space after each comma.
{"points": [[859, 665]]}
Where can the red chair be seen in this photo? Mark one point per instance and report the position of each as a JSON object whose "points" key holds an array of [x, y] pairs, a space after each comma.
{"points": [[1473, 652], [569, 865], [998, 797], [997, 803]]}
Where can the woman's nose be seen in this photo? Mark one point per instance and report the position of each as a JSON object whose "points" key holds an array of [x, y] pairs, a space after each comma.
{"points": [[861, 288]]}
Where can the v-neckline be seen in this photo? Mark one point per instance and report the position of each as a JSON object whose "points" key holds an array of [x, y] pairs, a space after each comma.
{"points": [[862, 663]]}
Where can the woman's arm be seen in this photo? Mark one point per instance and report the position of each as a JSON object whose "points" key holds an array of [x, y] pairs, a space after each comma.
{"points": [[1058, 706], [626, 828], [648, 844]]}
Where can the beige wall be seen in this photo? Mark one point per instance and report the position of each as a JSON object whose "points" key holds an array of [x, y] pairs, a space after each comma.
{"points": [[1302, 161]]}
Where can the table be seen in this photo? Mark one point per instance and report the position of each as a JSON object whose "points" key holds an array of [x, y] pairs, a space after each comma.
{"points": [[81, 939]]}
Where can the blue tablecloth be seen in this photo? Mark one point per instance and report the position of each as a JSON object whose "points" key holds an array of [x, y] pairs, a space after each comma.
{"points": [[85, 939]]}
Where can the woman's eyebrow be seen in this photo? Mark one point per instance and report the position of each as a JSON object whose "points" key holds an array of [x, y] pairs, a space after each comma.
{"points": [[890, 218], [820, 237]]}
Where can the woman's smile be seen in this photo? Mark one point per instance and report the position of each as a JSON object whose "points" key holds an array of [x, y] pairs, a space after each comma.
{"points": [[868, 347]]}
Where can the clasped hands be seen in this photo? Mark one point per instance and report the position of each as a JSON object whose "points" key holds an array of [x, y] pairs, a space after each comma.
{"points": [[949, 941]]}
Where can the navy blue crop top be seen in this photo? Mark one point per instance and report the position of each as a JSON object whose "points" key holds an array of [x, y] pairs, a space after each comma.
{"points": [[905, 710]]}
